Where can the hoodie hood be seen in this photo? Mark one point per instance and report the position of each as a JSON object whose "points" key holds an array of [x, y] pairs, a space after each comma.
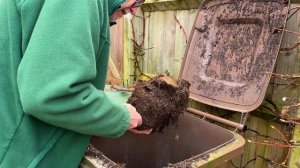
{"points": [[113, 5]]}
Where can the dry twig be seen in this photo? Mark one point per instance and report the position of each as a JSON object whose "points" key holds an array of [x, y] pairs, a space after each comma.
{"points": [[290, 46], [286, 144], [182, 28], [121, 89], [286, 78], [138, 47], [295, 9]]}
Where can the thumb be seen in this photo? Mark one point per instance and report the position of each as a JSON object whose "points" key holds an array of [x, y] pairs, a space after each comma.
{"points": [[135, 117]]}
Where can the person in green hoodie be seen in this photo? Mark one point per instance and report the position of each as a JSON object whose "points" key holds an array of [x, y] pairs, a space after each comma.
{"points": [[53, 63]]}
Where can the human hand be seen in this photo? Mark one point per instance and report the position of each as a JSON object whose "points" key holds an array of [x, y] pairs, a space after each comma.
{"points": [[135, 121]]}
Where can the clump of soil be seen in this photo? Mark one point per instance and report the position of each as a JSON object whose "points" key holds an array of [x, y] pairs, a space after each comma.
{"points": [[160, 101]]}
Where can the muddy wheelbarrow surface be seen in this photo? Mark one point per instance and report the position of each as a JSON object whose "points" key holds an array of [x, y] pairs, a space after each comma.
{"points": [[232, 51], [189, 143]]}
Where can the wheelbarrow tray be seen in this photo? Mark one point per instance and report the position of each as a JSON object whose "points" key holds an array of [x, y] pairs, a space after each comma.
{"points": [[192, 142]]}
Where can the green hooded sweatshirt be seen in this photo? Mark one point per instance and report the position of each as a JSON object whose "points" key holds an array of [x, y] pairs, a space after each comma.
{"points": [[53, 62]]}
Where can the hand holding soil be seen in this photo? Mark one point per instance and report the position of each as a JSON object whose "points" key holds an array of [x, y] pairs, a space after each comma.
{"points": [[135, 121], [160, 101]]}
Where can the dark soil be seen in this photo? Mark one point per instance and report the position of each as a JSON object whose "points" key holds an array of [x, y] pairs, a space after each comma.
{"points": [[160, 101]]}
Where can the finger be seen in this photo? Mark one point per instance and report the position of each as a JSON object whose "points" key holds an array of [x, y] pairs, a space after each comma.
{"points": [[142, 132], [133, 124], [140, 121]]}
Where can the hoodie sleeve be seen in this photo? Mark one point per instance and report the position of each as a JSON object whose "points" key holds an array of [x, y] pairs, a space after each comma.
{"points": [[58, 66]]}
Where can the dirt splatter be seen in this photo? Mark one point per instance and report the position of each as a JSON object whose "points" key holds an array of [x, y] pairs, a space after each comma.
{"points": [[100, 159], [233, 46], [189, 162]]}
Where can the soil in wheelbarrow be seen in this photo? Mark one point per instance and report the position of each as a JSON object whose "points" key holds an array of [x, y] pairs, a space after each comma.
{"points": [[160, 101]]}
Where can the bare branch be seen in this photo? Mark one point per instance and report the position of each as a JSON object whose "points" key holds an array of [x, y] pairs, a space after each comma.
{"points": [[121, 89], [182, 28]]}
